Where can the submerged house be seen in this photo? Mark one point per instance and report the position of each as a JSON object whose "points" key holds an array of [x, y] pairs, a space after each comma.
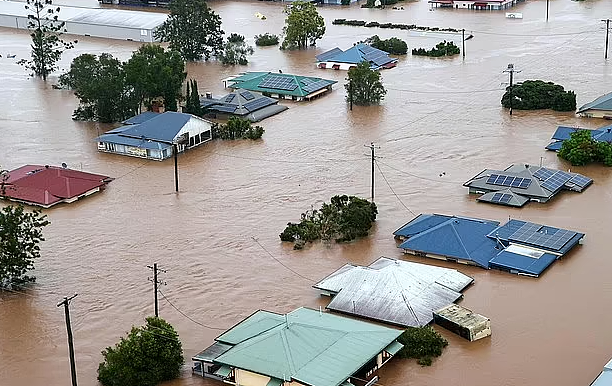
{"points": [[603, 134], [302, 348], [463, 322], [393, 291], [599, 108], [337, 59], [605, 377], [156, 136], [47, 186], [518, 247], [475, 4], [243, 104], [518, 184], [279, 85]]}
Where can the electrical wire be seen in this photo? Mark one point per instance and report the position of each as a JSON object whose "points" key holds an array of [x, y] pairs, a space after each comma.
{"points": [[445, 92], [322, 162], [393, 191], [532, 35], [281, 263], [187, 316], [419, 177]]}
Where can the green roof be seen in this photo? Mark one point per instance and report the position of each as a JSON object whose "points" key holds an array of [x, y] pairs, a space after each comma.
{"points": [[604, 102], [223, 371], [314, 348], [296, 85], [394, 347]]}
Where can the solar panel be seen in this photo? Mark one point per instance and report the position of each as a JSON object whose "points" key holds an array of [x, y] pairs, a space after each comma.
{"points": [[504, 180], [225, 108], [279, 83], [539, 236], [556, 181], [230, 98], [543, 173], [258, 104], [580, 181], [503, 198], [247, 95], [315, 86]]}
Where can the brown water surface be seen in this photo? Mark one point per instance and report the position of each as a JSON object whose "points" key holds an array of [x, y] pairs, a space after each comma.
{"points": [[440, 115]]}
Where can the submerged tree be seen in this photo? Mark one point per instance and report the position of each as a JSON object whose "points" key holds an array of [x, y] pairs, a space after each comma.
{"points": [[422, 343], [364, 86], [192, 99], [581, 149], [303, 25], [46, 29], [237, 128], [192, 29], [236, 50]]}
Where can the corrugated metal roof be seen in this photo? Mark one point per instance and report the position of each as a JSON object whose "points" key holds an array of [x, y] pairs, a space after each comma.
{"points": [[212, 352], [313, 348], [604, 102], [394, 348], [163, 127], [605, 378], [252, 80], [461, 316], [394, 291], [134, 142], [140, 118], [563, 133]]}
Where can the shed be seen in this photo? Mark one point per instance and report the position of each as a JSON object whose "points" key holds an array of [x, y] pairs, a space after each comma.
{"points": [[599, 108], [98, 22], [463, 322]]}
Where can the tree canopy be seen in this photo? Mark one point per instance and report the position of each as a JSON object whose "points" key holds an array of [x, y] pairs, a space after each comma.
{"points": [[422, 343], [236, 50], [393, 45], [266, 39], [45, 30], [192, 29], [443, 48], [303, 25], [147, 356], [237, 128], [345, 218], [20, 235], [537, 94], [582, 149], [364, 86]]}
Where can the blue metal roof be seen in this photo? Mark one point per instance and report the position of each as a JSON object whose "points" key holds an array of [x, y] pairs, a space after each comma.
{"points": [[603, 134], [140, 118], [604, 102], [506, 231], [605, 378], [421, 223], [129, 141], [162, 127], [510, 261], [357, 54]]}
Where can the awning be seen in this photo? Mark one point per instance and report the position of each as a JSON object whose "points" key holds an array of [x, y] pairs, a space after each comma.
{"points": [[394, 347], [223, 371], [274, 382]]}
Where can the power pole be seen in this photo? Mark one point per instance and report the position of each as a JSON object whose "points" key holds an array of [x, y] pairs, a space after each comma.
{"points": [[547, 1], [607, 33], [66, 303], [175, 151], [510, 70], [351, 94], [372, 148], [155, 283], [463, 42]]}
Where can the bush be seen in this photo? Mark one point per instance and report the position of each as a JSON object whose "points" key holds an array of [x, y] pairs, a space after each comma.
{"points": [[237, 128], [266, 40], [393, 45], [441, 49], [235, 51], [361, 23], [537, 94], [345, 2], [582, 149], [422, 343]]}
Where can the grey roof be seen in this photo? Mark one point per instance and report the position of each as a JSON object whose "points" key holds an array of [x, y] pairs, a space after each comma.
{"points": [[394, 291], [329, 54], [604, 103], [244, 103], [461, 316], [514, 199], [212, 352], [605, 378]]}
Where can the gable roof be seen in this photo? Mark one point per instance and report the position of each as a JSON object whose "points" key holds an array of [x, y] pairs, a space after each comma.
{"points": [[394, 291], [563, 133], [506, 196], [244, 103], [605, 377], [140, 118], [314, 348], [49, 185], [358, 53], [604, 103], [278, 83]]}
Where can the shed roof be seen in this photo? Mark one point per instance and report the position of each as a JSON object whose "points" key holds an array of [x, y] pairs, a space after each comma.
{"points": [[358, 53], [462, 316], [278, 83], [604, 103], [49, 185], [394, 291], [313, 348]]}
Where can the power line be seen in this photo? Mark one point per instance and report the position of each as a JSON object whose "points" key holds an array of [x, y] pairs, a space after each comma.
{"points": [[419, 177], [281, 263], [533, 35], [444, 92], [393, 191], [187, 316], [322, 162]]}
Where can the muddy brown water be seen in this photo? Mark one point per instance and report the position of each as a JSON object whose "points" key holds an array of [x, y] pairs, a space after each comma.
{"points": [[439, 116]]}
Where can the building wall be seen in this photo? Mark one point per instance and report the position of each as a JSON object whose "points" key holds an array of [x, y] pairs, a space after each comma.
{"points": [[591, 113], [196, 126], [341, 66], [247, 378]]}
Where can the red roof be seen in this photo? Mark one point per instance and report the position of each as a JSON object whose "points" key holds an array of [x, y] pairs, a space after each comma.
{"points": [[50, 185]]}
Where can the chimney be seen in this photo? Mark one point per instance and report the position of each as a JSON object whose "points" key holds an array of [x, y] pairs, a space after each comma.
{"points": [[209, 95]]}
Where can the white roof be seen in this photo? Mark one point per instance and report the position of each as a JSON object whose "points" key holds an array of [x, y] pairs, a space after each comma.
{"points": [[93, 16]]}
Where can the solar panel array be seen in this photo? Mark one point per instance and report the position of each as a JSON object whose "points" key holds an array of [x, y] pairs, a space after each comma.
{"points": [[505, 180], [229, 98], [503, 198], [580, 181], [247, 95], [315, 86], [531, 233], [556, 181], [543, 173], [225, 108], [258, 104], [376, 56], [278, 82]]}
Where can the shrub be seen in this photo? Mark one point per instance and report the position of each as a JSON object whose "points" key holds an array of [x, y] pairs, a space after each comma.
{"points": [[237, 128], [441, 49], [422, 343], [393, 45], [537, 94], [266, 39]]}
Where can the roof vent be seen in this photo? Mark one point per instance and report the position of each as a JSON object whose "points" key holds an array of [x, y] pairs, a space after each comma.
{"points": [[609, 130], [526, 166], [209, 95]]}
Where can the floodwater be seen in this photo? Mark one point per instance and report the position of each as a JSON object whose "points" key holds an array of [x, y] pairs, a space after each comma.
{"points": [[216, 237]]}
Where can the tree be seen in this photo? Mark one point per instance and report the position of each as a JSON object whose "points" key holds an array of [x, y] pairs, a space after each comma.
{"points": [[237, 128], [100, 85], [192, 29], [303, 25], [236, 50], [393, 46], [153, 72], [266, 39], [192, 96], [46, 29], [422, 343], [443, 48], [537, 94], [148, 355], [20, 234], [582, 149], [364, 85]]}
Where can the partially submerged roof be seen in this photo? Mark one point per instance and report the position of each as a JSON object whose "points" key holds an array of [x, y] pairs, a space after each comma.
{"points": [[49, 185], [521, 183], [244, 103], [358, 53], [278, 83], [605, 378], [563, 133], [394, 291], [305, 345], [461, 316], [604, 103], [518, 246]]}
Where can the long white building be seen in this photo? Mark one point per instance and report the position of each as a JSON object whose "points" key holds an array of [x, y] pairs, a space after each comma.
{"points": [[97, 22]]}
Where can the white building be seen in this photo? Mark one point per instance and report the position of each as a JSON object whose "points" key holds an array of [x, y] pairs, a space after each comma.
{"points": [[475, 4]]}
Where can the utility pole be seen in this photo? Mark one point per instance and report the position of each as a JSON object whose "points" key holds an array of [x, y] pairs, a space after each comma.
{"points": [[463, 42], [547, 1], [175, 151], [510, 70], [155, 283], [351, 94], [372, 148], [607, 33], [66, 303]]}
